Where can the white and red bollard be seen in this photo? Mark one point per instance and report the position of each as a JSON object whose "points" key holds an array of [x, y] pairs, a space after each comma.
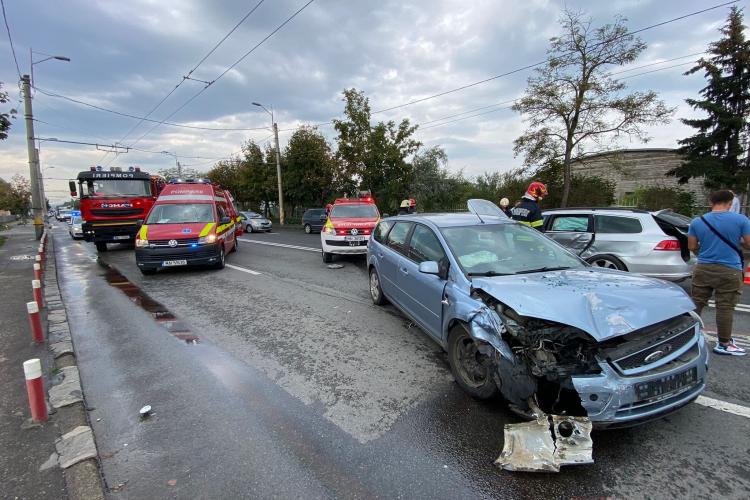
{"points": [[37, 272], [35, 322], [41, 253], [36, 286], [32, 370]]}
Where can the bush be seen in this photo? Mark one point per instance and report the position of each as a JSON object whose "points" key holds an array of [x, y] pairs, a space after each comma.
{"points": [[660, 197]]}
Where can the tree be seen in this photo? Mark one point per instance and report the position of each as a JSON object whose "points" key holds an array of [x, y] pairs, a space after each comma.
{"points": [[16, 196], [433, 185], [374, 156], [310, 169], [572, 102], [7, 116], [719, 149]]}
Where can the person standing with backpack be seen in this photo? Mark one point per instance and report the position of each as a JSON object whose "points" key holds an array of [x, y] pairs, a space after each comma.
{"points": [[717, 237]]}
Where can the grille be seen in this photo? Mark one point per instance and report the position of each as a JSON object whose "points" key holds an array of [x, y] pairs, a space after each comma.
{"points": [[360, 231], [180, 242], [117, 211], [668, 346], [184, 253]]}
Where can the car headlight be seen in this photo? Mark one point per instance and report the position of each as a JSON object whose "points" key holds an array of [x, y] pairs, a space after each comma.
{"points": [[207, 239], [141, 243], [329, 230]]}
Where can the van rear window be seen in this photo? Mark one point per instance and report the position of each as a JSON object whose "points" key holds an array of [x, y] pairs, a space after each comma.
{"points": [[176, 213]]}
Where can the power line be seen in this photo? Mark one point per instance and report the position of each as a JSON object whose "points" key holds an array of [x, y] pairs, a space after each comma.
{"points": [[530, 66], [186, 103], [10, 39]]}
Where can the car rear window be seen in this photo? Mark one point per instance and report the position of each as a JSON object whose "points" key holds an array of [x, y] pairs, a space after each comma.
{"points": [[570, 223], [614, 224]]}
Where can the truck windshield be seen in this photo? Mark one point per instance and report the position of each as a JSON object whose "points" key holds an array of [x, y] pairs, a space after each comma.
{"points": [[116, 187], [181, 213], [500, 249], [347, 210]]}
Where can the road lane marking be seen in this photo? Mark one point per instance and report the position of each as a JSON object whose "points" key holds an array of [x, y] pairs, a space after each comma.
{"points": [[282, 245], [243, 269], [717, 404], [739, 307], [741, 340]]}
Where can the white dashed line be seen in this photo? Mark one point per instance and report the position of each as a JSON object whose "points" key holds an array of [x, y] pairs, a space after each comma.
{"points": [[243, 269], [738, 307], [717, 404], [282, 245]]}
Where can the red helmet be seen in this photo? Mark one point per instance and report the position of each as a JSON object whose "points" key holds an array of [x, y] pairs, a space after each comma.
{"points": [[537, 189]]}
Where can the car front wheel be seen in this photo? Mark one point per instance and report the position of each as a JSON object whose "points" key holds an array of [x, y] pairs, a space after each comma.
{"points": [[308, 229], [222, 259], [376, 293], [249, 228], [471, 369], [327, 257]]}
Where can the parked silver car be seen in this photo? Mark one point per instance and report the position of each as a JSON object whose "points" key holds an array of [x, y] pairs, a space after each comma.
{"points": [[522, 316], [649, 243], [255, 222], [75, 227]]}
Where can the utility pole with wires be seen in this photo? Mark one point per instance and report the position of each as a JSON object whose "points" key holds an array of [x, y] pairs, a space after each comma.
{"points": [[278, 161], [35, 177]]}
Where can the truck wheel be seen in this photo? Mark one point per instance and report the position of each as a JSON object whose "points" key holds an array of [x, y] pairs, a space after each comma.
{"points": [[308, 229], [147, 272], [327, 257], [101, 246], [471, 369], [222, 259], [376, 293]]}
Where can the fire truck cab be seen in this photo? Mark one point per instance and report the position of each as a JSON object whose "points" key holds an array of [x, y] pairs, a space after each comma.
{"points": [[193, 222], [114, 203], [348, 226]]}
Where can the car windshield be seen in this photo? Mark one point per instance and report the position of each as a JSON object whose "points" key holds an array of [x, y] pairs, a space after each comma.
{"points": [[355, 210], [115, 187], [76, 219], [502, 249], [171, 213]]}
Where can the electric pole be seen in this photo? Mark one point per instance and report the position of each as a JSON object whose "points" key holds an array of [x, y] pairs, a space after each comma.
{"points": [[36, 195], [278, 173]]}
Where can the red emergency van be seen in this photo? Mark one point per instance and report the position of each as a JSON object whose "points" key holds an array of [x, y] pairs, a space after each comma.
{"points": [[193, 222], [348, 227]]}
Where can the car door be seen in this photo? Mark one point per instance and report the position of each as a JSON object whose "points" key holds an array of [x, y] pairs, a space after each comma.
{"points": [[619, 235], [573, 231], [318, 219], [423, 293], [389, 255]]}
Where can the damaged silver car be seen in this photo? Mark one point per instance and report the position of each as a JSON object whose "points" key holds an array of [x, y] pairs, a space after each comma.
{"points": [[521, 316]]}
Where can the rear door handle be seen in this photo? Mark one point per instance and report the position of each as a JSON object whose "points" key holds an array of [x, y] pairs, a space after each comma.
{"points": [[404, 270]]}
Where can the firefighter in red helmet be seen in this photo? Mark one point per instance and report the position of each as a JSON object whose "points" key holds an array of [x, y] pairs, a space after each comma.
{"points": [[527, 212]]}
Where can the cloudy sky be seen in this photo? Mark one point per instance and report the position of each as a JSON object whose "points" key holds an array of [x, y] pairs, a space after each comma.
{"points": [[127, 55]]}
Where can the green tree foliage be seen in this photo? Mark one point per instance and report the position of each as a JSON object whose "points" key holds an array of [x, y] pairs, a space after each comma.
{"points": [[374, 157], [719, 149], [660, 197], [15, 196], [572, 102], [433, 185], [6, 116], [309, 170]]}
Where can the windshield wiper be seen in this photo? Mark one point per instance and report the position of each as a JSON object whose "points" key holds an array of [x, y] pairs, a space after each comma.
{"points": [[489, 274], [542, 270]]}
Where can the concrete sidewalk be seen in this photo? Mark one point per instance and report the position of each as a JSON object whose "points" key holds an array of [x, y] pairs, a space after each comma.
{"points": [[23, 450]]}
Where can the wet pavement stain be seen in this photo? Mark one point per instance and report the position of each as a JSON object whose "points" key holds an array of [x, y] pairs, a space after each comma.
{"points": [[156, 309]]}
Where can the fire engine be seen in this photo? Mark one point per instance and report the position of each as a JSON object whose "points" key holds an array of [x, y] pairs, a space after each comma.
{"points": [[348, 226], [114, 203]]}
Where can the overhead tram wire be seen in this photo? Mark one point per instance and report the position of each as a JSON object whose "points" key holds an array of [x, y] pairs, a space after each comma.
{"points": [[227, 70], [530, 66], [10, 39]]}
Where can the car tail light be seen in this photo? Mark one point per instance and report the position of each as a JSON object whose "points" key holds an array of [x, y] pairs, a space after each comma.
{"points": [[669, 245]]}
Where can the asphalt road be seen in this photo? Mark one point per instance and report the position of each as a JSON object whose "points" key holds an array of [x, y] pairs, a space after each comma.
{"points": [[278, 377]]}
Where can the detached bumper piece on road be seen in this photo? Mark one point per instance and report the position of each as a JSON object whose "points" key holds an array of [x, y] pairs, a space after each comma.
{"points": [[185, 254]]}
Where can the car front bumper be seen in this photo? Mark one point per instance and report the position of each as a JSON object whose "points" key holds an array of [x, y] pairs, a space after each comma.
{"points": [[154, 258], [611, 399], [339, 245], [111, 231]]}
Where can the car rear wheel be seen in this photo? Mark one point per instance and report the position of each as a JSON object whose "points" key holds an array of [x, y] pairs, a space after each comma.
{"points": [[376, 293], [101, 246], [607, 262], [236, 244], [308, 229], [471, 369], [327, 257]]}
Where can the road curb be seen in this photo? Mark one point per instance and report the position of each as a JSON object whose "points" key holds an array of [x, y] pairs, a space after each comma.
{"points": [[76, 446]]}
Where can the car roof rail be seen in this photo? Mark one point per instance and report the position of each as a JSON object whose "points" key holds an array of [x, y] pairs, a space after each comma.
{"points": [[621, 209]]}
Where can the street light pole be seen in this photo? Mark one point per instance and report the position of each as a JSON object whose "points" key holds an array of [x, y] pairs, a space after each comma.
{"points": [[36, 202], [278, 162]]}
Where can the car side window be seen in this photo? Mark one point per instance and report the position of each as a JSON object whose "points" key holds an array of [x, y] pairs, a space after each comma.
{"points": [[614, 224], [575, 223], [397, 236], [425, 246], [381, 230]]}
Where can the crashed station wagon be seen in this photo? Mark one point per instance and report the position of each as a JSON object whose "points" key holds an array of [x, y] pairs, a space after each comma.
{"points": [[521, 316]]}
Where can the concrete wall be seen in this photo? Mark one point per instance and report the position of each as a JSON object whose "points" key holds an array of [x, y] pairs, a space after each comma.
{"points": [[631, 168]]}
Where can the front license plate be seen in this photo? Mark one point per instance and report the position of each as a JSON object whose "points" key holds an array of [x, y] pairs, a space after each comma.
{"points": [[354, 238], [168, 263], [122, 237], [666, 385]]}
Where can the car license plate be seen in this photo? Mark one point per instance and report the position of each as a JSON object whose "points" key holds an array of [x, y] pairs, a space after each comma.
{"points": [[122, 237], [666, 385], [354, 238], [168, 263]]}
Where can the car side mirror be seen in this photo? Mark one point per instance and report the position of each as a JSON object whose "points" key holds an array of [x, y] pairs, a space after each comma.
{"points": [[72, 186], [225, 220], [429, 267]]}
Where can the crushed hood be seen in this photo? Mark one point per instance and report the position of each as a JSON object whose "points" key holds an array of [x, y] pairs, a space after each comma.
{"points": [[602, 303]]}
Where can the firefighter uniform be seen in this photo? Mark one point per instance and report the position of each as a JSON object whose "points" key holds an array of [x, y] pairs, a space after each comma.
{"points": [[527, 212]]}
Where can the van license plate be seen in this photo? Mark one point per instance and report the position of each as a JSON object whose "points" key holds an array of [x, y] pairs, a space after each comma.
{"points": [[168, 263], [122, 237], [354, 238]]}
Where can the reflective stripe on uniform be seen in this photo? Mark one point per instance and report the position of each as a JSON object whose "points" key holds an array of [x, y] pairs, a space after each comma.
{"points": [[329, 224], [525, 223], [144, 232], [536, 223], [206, 229]]}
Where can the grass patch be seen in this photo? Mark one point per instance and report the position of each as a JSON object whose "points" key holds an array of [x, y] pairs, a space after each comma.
{"points": [[2, 240]]}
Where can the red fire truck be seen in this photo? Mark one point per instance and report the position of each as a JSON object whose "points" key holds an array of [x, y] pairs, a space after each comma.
{"points": [[114, 203]]}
